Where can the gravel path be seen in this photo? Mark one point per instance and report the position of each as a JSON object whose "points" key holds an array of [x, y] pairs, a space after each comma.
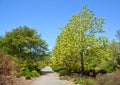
{"points": [[49, 78]]}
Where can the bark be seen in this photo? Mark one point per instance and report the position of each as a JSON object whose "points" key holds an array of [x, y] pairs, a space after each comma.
{"points": [[82, 61]]}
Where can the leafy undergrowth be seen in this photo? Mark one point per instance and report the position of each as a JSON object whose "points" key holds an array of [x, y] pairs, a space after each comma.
{"points": [[12, 66], [57, 68], [105, 79], [109, 79], [64, 73], [61, 70], [8, 80], [7, 65], [83, 81], [29, 74], [91, 77]]}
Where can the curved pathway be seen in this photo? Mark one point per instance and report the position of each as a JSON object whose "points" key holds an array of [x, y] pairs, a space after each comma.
{"points": [[49, 78]]}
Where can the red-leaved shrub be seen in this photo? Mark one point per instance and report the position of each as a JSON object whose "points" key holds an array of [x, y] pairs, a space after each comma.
{"points": [[6, 65]]}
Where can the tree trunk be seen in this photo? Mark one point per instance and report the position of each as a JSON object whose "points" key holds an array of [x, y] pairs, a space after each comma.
{"points": [[82, 62]]}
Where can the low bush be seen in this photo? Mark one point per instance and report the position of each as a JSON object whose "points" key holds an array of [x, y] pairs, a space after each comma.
{"points": [[83, 81], [109, 79], [89, 81], [34, 73], [64, 72], [109, 67], [27, 73], [78, 81], [7, 65], [40, 64], [57, 68], [27, 69]]}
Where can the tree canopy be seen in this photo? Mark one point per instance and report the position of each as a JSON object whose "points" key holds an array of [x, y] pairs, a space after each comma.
{"points": [[77, 45], [24, 42]]}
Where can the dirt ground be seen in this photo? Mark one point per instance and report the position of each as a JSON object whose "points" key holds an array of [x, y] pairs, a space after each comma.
{"points": [[7, 80]]}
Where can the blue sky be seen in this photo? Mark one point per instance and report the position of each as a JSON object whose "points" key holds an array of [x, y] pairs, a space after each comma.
{"points": [[48, 16]]}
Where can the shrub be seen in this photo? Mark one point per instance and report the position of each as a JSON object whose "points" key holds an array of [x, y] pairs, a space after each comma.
{"points": [[78, 81], [40, 64], [28, 74], [28, 69], [6, 65], [64, 72], [109, 79], [25, 72], [109, 66], [83, 81], [57, 68], [35, 74], [89, 81], [13, 73]]}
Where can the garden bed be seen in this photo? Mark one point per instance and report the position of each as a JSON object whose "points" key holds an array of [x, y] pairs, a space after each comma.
{"points": [[8, 80]]}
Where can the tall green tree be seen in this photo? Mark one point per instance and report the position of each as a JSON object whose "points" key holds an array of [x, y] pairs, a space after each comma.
{"points": [[24, 42], [77, 41], [115, 48], [115, 51]]}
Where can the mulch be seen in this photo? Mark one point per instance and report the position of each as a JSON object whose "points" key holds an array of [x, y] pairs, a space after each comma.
{"points": [[8, 80]]}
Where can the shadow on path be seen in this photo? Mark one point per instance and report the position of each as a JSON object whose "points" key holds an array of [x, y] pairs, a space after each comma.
{"points": [[46, 70]]}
